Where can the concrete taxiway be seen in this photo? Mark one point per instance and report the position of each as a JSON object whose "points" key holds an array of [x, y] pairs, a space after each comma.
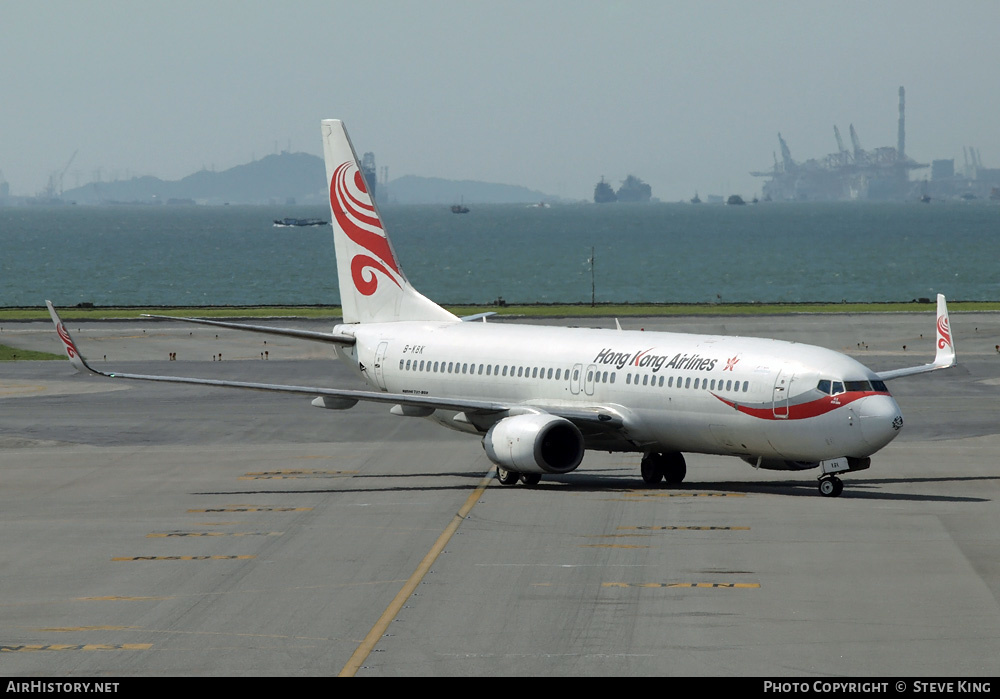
{"points": [[168, 530]]}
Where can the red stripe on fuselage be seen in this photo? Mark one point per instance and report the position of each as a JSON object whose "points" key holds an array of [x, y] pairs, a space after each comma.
{"points": [[802, 411]]}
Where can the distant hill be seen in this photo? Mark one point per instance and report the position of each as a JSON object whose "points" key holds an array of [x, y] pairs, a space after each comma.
{"points": [[298, 177], [273, 179]]}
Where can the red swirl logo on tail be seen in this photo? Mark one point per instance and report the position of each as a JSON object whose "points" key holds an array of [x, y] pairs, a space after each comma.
{"points": [[355, 214], [64, 336], [944, 332]]}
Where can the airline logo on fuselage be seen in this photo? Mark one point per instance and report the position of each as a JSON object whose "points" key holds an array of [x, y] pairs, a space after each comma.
{"points": [[646, 359]]}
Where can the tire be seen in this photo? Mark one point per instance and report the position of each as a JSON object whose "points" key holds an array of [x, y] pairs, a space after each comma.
{"points": [[507, 477], [651, 468], [831, 487], [531, 478], [674, 468]]}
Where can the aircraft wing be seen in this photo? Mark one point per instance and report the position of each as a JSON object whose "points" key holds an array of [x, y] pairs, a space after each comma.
{"points": [[338, 339], [608, 419], [944, 356]]}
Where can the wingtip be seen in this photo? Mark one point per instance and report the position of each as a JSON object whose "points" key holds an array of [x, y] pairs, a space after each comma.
{"points": [[69, 346]]}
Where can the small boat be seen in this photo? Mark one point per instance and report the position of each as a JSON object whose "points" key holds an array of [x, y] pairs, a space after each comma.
{"points": [[289, 222], [459, 209]]}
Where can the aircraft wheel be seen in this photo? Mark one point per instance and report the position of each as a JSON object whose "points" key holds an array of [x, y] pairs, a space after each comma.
{"points": [[675, 468], [531, 478], [831, 487], [507, 477], [651, 468]]}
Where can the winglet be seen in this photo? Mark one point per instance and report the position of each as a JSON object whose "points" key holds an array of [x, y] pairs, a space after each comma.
{"points": [[945, 355], [75, 358]]}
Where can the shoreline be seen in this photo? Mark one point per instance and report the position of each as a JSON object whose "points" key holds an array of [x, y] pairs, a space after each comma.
{"points": [[541, 310]]}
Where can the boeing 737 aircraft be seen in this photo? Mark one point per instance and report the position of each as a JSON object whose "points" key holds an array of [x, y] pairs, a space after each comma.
{"points": [[539, 397]]}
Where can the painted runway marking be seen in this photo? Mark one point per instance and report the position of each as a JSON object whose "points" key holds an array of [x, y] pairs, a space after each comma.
{"points": [[295, 473], [83, 646], [613, 546], [182, 558], [120, 598], [641, 494], [743, 586], [90, 628], [162, 535], [254, 509], [362, 652], [685, 528]]}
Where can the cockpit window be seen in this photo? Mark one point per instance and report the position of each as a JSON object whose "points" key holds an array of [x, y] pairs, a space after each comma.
{"points": [[880, 386], [838, 387], [857, 386], [823, 386]]}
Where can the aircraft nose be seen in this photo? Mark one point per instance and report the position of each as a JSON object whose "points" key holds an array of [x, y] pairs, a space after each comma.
{"points": [[881, 420]]}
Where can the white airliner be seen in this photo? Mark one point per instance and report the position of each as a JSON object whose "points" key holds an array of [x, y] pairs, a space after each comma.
{"points": [[539, 397]]}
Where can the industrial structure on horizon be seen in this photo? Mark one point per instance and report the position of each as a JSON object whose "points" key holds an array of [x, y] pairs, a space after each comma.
{"points": [[880, 174]]}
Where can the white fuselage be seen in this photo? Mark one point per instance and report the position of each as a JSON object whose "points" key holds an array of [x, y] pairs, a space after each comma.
{"points": [[739, 396]]}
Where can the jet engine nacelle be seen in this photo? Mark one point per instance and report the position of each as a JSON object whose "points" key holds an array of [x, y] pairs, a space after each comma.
{"points": [[535, 443]]}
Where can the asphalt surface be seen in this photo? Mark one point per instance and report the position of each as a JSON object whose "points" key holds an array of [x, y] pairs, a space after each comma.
{"points": [[167, 530]]}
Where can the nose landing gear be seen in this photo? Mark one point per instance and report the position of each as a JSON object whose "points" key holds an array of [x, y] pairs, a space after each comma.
{"points": [[831, 486]]}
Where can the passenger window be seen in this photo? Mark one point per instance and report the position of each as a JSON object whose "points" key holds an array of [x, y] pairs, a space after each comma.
{"points": [[746, 386], [645, 379], [558, 372], [604, 378], [435, 366], [612, 377], [550, 373], [670, 382], [576, 374], [590, 376], [505, 370], [628, 379], [534, 373], [687, 383], [696, 383]]}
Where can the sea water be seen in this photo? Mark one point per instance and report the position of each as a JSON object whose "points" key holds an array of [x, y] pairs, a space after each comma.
{"points": [[660, 253]]}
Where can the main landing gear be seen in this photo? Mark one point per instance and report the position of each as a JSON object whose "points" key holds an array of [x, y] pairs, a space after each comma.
{"points": [[670, 467], [831, 486], [508, 477]]}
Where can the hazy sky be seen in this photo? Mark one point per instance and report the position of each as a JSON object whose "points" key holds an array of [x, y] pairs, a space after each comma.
{"points": [[689, 96]]}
